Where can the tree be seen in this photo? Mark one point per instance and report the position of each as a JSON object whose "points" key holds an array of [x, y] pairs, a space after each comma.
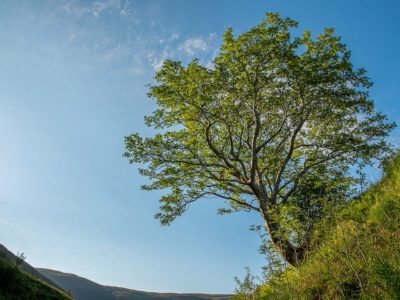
{"points": [[20, 259], [273, 116]]}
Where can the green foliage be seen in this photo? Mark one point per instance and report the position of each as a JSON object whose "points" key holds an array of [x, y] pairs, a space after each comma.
{"points": [[246, 289], [269, 127], [358, 253], [15, 284]]}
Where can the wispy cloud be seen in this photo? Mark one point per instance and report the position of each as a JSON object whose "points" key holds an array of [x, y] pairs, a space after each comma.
{"points": [[138, 46], [195, 44], [190, 46], [105, 33], [100, 6], [117, 52], [156, 60], [96, 8], [204, 48]]}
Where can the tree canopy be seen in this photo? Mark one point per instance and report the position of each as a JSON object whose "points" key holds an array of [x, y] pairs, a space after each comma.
{"points": [[276, 122]]}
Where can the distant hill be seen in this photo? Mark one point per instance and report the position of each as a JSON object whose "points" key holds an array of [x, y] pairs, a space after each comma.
{"points": [[24, 282], [27, 282], [84, 289]]}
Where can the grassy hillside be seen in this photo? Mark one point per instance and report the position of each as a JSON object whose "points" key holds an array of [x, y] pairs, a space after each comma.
{"points": [[358, 252], [5, 253], [19, 285]]}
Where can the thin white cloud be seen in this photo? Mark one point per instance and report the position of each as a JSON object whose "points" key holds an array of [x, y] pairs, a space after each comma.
{"points": [[72, 37], [195, 45], [204, 48], [95, 9], [174, 36], [192, 45], [117, 52], [100, 6], [135, 52], [93, 40], [156, 61]]}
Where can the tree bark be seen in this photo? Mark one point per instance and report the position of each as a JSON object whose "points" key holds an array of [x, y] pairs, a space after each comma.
{"points": [[292, 254]]}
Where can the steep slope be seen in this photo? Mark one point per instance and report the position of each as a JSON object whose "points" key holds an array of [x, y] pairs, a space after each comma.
{"points": [[15, 283], [358, 256], [84, 289], [27, 267]]}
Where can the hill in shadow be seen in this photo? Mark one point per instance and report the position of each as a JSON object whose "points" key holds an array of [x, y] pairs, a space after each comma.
{"points": [[84, 289]]}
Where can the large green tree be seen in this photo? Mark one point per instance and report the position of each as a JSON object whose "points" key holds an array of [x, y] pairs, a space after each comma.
{"points": [[276, 121]]}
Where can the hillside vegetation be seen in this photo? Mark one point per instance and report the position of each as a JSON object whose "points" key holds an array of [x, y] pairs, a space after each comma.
{"points": [[357, 254], [19, 285]]}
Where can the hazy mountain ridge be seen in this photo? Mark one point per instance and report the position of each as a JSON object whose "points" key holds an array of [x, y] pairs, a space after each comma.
{"points": [[84, 289]]}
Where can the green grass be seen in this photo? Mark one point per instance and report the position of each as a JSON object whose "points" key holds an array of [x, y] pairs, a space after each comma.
{"points": [[358, 252], [19, 285]]}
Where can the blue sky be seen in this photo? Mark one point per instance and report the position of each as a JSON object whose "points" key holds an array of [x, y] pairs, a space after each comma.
{"points": [[72, 85]]}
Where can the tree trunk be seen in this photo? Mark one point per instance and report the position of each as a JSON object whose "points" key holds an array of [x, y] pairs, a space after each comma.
{"points": [[292, 254]]}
